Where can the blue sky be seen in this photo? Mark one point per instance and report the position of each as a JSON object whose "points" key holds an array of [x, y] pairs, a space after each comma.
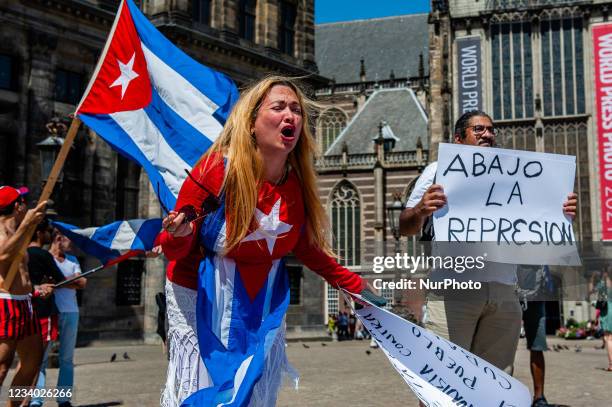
{"points": [[329, 11]]}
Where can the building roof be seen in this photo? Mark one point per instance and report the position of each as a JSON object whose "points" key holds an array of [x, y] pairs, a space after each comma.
{"points": [[385, 44], [403, 115]]}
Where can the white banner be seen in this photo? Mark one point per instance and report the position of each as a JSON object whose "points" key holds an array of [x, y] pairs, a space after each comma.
{"points": [[510, 200], [439, 372]]}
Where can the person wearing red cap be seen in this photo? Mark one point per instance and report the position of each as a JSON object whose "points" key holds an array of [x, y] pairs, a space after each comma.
{"points": [[19, 329]]}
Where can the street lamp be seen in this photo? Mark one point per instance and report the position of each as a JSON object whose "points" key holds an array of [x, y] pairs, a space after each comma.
{"points": [[50, 147], [394, 210]]}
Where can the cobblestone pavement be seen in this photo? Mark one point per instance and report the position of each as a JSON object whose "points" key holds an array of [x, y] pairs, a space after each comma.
{"points": [[337, 374]]}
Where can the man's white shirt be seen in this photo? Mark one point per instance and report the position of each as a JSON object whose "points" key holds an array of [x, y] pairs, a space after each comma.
{"points": [[492, 272]]}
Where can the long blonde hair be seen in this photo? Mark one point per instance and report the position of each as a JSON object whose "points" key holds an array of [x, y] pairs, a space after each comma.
{"points": [[245, 168]]}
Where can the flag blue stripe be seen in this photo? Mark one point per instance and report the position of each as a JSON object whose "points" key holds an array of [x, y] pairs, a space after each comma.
{"points": [[113, 134], [185, 140], [145, 237], [104, 235], [215, 85], [92, 248]]}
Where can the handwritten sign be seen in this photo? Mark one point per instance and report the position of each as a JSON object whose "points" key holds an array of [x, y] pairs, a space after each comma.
{"points": [[439, 372], [510, 202]]}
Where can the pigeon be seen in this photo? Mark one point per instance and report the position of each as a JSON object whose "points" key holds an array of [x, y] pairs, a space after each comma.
{"points": [[306, 346], [368, 351], [113, 357], [555, 348], [125, 356], [578, 348], [323, 344], [565, 347]]}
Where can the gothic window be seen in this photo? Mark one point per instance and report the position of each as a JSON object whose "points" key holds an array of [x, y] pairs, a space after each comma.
{"points": [[201, 11], [286, 29], [512, 71], [346, 224], [562, 67], [331, 124], [568, 138], [7, 72], [517, 137], [68, 86], [246, 19]]}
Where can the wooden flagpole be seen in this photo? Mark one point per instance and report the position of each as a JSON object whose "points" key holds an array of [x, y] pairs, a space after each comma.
{"points": [[46, 193]]}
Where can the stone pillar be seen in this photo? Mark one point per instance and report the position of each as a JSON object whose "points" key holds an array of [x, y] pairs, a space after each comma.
{"points": [[40, 107], [229, 20], [267, 24], [307, 37], [439, 59], [379, 208], [154, 276]]}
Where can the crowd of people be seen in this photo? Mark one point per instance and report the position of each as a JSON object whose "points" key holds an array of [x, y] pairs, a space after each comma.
{"points": [[345, 326], [250, 201], [34, 314]]}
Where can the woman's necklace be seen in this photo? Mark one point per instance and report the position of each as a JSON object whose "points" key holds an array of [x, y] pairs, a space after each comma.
{"points": [[283, 176]]}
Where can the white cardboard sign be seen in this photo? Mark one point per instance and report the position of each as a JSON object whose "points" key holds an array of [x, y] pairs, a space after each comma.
{"points": [[440, 373], [508, 202]]}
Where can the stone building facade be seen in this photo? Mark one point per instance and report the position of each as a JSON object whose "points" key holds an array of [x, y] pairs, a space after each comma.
{"points": [[373, 133], [48, 50], [538, 86]]}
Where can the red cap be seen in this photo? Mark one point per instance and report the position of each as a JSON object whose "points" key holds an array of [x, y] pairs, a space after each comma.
{"points": [[8, 195]]}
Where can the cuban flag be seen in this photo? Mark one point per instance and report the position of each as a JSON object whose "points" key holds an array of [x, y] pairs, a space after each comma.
{"points": [[114, 240], [153, 103]]}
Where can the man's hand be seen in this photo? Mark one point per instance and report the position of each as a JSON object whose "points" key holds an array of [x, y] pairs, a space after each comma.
{"points": [[432, 200], [34, 216], [173, 224], [44, 290], [412, 219], [570, 205]]}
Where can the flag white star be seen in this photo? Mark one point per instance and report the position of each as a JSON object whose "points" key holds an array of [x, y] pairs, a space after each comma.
{"points": [[126, 76], [270, 226]]}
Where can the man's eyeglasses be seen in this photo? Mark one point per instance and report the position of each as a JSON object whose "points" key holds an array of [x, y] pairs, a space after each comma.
{"points": [[479, 129]]}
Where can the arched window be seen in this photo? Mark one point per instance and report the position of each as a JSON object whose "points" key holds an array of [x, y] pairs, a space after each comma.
{"points": [[346, 224], [246, 19], [331, 124]]}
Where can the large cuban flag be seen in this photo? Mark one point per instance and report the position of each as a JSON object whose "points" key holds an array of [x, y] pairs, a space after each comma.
{"points": [[111, 241], [153, 103]]}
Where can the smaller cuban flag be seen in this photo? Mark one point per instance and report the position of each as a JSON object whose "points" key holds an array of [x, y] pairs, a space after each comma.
{"points": [[111, 241], [153, 103]]}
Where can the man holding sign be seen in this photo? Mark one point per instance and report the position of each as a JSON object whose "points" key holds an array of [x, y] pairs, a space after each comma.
{"points": [[485, 321]]}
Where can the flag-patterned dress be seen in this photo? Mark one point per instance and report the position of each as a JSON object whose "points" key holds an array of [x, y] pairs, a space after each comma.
{"points": [[243, 295]]}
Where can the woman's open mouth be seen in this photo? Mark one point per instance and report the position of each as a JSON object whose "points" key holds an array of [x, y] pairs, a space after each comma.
{"points": [[288, 133]]}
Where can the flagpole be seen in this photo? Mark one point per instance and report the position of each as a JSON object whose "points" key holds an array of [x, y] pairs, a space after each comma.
{"points": [[128, 255], [46, 193]]}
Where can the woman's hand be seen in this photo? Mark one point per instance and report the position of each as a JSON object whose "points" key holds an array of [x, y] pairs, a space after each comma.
{"points": [[173, 224], [368, 294]]}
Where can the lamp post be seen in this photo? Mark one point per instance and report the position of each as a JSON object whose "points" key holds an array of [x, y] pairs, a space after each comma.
{"points": [[49, 149], [394, 210]]}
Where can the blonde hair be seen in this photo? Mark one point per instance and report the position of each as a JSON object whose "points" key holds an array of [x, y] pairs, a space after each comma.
{"points": [[245, 168]]}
